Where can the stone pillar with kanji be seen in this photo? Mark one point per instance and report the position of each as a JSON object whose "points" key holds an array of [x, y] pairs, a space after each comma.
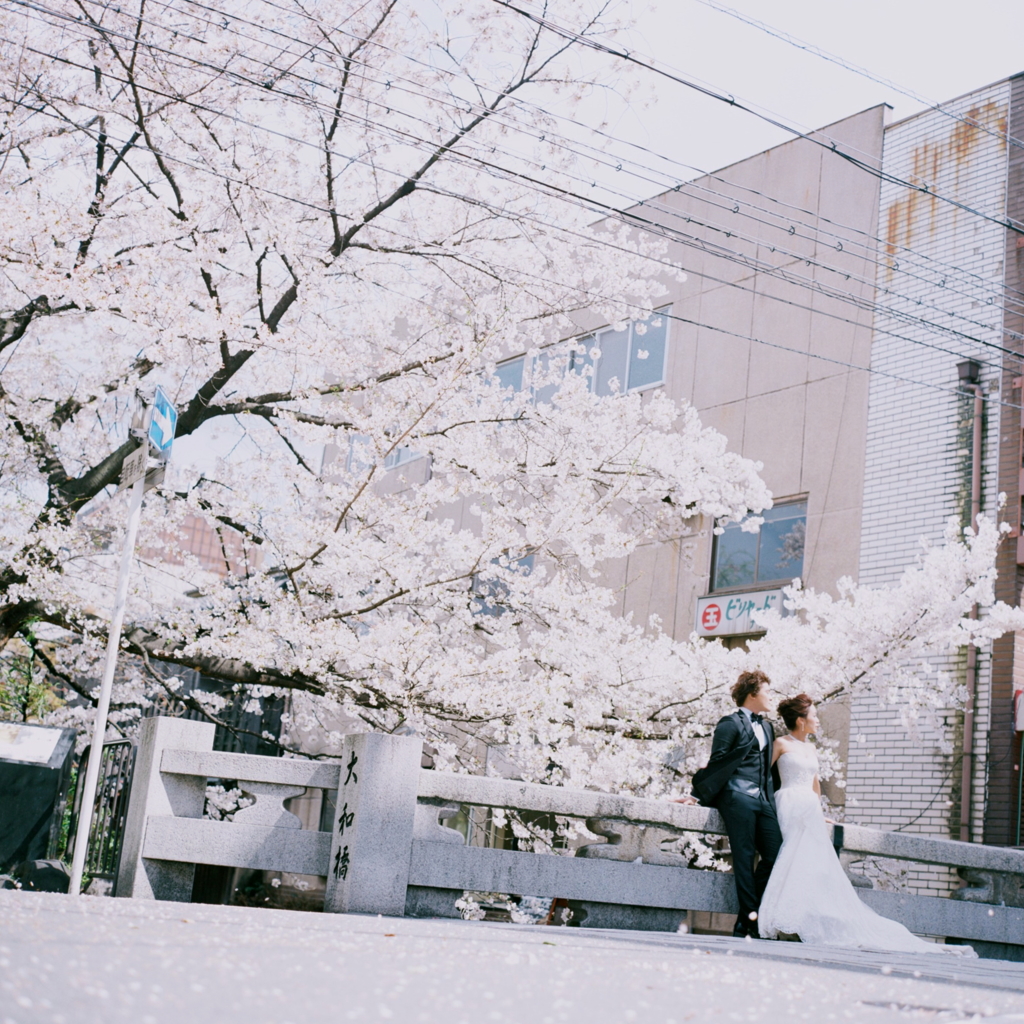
{"points": [[374, 815]]}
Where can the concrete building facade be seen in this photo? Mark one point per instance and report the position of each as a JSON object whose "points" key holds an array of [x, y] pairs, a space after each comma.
{"points": [[834, 285], [766, 351]]}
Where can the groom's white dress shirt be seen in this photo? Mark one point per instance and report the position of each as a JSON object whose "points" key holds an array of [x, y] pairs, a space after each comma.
{"points": [[756, 726]]}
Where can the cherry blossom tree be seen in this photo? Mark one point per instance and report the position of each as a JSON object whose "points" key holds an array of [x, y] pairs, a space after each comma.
{"points": [[321, 228], [308, 225]]}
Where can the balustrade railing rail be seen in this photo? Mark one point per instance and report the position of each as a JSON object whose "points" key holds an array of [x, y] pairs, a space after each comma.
{"points": [[390, 853]]}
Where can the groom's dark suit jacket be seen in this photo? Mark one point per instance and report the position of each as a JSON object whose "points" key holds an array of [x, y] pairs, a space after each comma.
{"points": [[735, 754], [741, 771]]}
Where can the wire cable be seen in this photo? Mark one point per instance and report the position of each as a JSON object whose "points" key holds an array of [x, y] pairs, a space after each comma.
{"points": [[310, 48], [597, 208], [672, 184], [756, 241], [604, 211], [739, 336], [846, 65], [667, 185], [651, 227], [674, 316], [649, 311], [731, 101]]}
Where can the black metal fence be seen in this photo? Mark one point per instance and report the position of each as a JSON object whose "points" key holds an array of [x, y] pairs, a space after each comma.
{"points": [[245, 724], [110, 810]]}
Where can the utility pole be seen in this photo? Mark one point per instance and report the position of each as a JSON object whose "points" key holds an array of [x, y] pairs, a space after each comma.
{"points": [[969, 373]]}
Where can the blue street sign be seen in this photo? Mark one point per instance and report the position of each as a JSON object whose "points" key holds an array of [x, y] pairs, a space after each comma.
{"points": [[162, 423]]}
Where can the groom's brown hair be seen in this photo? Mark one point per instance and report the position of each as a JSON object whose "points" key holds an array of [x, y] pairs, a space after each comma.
{"points": [[748, 684]]}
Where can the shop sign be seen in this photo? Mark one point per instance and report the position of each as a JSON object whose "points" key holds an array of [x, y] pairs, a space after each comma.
{"points": [[735, 614]]}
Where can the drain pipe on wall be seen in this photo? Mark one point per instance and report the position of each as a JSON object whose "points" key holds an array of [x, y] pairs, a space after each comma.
{"points": [[969, 372]]}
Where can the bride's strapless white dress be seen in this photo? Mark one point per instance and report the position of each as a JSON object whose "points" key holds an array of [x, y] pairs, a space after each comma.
{"points": [[808, 893]]}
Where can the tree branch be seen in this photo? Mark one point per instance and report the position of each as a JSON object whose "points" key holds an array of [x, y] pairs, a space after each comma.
{"points": [[13, 327]]}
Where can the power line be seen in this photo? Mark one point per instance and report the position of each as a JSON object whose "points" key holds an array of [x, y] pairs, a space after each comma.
{"points": [[604, 210], [310, 48], [727, 253], [695, 323], [650, 226], [601, 209], [733, 102], [673, 185], [592, 240], [676, 184], [672, 316], [817, 51], [648, 310]]}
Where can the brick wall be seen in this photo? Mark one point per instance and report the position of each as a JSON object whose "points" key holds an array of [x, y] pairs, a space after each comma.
{"points": [[941, 264]]}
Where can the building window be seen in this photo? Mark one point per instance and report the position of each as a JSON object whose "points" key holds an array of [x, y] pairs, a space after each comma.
{"points": [[615, 361], [510, 374], [630, 359], [399, 457], [360, 458], [489, 594], [773, 555]]}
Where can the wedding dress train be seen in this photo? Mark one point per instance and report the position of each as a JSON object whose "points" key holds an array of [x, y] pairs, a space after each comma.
{"points": [[808, 893]]}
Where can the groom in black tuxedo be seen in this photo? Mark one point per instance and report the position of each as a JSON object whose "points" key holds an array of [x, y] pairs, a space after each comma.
{"points": [[738, 781]]}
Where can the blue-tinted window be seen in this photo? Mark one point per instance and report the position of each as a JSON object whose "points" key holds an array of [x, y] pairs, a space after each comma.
{"points": [[628, 359], [549, 366], [647, 351], [773, 555], [781, 551], [510, 374], [490, 594], [613, 365], [580, 358], [634, 357], [735, 558], [399, 457], [360, 456]]}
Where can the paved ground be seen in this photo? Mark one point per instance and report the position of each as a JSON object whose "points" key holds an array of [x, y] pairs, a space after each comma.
{"points": [[86, 960]]}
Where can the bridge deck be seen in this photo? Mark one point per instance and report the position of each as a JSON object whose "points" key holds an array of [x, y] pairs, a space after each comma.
{"points": [[85, 960]]}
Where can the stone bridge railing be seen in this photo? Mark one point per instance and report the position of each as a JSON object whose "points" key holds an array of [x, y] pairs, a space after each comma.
{"points": [[390, 854]]}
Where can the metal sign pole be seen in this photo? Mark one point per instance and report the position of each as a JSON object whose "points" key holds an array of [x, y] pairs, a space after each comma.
{"points": [[153, 426], [99, 728]]}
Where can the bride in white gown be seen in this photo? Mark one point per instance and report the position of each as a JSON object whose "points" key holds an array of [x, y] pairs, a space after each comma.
{"points": [[808, 893]]}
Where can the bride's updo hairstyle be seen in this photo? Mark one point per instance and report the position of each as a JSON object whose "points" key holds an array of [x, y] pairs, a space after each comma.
{"points": [[793, 708]]}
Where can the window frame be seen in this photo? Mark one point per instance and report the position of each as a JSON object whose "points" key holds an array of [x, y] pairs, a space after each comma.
{"points": [[492, 592], [640, 388], [522, 372], [355, 462], [401, 456], [757, 584], [526, 379]]}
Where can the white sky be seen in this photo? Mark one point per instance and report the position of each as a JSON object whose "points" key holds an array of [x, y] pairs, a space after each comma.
{"points": [[936, 48]]}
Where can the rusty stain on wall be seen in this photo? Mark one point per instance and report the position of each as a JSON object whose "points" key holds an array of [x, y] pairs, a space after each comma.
{"points": [[949, 155]]}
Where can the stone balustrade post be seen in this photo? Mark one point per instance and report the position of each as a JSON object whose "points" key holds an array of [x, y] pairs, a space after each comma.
{"points": [[155, 793], [374, 820]]}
